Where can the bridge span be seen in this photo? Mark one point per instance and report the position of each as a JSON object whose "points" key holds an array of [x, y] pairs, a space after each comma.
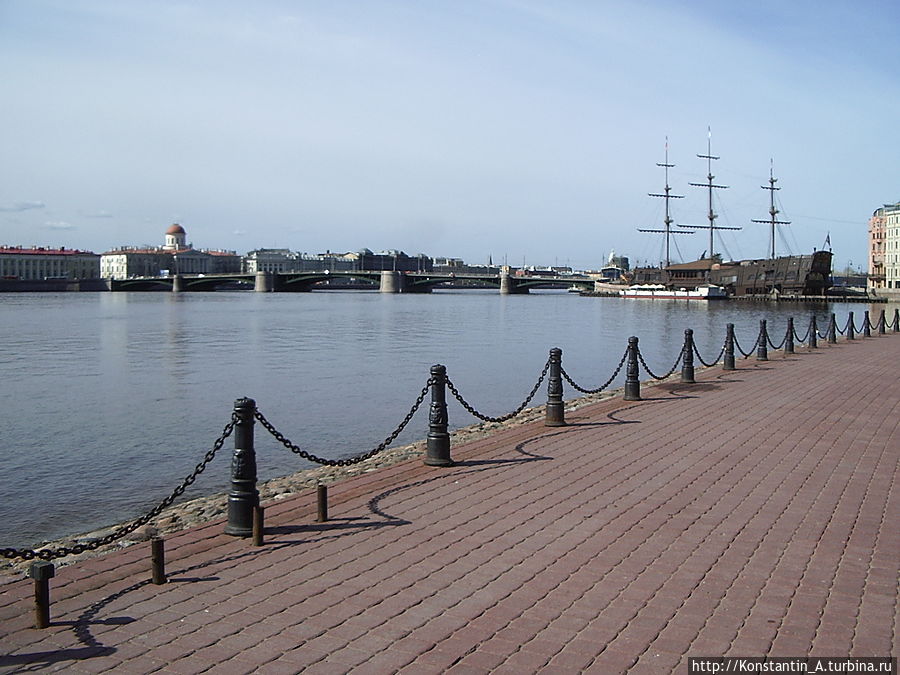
{"points": [[386, 281]]}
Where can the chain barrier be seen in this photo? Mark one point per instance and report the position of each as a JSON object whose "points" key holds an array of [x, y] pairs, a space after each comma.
{"points": [[700, 358], [350, 460], [779, 345], [465, 404], [805, 337], [846, 326], [118, 533], [747, 355], [660, 377], [562, 371]]}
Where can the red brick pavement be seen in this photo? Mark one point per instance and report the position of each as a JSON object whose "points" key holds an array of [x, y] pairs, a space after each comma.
{"points": [[754, 513]]}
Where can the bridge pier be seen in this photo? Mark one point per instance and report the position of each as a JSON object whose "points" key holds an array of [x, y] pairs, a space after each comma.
{"points": [[509, 286], [177, 284], [263, 282], [391, 282]]}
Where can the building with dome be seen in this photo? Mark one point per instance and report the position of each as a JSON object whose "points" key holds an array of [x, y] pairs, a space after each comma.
{"points": [[175, 256]]}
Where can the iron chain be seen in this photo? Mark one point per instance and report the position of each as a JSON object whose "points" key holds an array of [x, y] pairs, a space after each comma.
{"points": [[700, 358], [743, 353], [350, 460], [465, 404], [802, 340], [602, 386], [94, 544], [660, 377]]}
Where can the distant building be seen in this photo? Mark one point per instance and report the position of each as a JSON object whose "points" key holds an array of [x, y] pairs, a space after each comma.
{"points": [[38, 262], [176, 256], [884, 248], [393, 260], [284, 260]]}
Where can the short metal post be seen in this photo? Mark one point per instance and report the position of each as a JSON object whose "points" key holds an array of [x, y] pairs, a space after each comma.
{"points": [[851, 328], [687, 357], [867, 326], [259, 527], [322, 503], [813, 333], [437, 444], [789, 337], [881, 322], [895, 324], [832, 329], [244, 495], [728, 362], [555, 414], [632, 383], [158, 560], [762, 346], [41, 572]]}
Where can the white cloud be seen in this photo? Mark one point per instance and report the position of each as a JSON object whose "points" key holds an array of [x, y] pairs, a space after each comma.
{"points": [[58, 225], [22, 206]]}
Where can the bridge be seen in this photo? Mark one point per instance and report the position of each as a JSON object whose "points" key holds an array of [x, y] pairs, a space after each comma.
{"points": [[385, 280]]}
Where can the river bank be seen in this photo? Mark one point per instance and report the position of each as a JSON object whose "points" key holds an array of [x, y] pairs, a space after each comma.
{"points": [[200, 510]]}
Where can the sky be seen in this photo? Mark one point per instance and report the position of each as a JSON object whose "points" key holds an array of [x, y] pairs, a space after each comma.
{"points": [[523, 131]]}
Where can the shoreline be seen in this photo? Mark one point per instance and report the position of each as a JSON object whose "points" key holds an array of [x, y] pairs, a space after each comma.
{"points": [[199, 510]]}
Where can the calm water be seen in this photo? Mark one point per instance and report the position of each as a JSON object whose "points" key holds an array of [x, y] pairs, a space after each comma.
{"points": [[112, 398]]}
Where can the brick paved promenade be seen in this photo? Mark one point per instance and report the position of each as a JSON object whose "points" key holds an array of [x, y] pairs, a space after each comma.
{"points": [[754, 513]]}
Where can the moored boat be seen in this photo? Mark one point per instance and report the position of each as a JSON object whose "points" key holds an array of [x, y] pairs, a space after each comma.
{"points": [[661, 292]]}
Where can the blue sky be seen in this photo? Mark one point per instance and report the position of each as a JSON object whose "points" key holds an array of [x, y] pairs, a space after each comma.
{"points": [[524, 130]]}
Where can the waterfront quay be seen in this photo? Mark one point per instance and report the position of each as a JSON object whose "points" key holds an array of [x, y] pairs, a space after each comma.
{"points": [[751, 513]]}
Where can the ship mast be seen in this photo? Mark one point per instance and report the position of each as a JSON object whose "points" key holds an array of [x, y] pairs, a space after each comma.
{"points": [[773, 212], [667, 222], [710, 186]]}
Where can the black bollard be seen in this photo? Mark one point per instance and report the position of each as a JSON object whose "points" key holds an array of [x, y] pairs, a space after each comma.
{"points": [[728, 363], [762, 346], [687, 357], [789, 337], [41, 572], [881, 321], [851, 327], [158, 560], [259, 527], [632, 383], [813, 332], [867, 326], [437, 444], [322, 503], [243, 496], [832, 329], [895, 324], [555, 414]]}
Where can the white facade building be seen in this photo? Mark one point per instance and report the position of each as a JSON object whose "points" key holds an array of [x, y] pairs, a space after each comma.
{"points": [[884, 249]]}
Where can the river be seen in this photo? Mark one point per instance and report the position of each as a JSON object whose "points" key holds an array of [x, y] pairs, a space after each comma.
{"points": [[113, 398]]}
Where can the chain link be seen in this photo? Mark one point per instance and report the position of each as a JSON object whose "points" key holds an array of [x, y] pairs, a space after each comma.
{"points": [[660, 377], [743, 353], [603, 386], [802, 340], [94, 544], [465, 404], [700, 358], [350, 460], [780, 344]]}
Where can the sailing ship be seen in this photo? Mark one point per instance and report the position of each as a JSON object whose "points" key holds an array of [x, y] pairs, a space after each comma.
{"points": [[800, 275]]}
